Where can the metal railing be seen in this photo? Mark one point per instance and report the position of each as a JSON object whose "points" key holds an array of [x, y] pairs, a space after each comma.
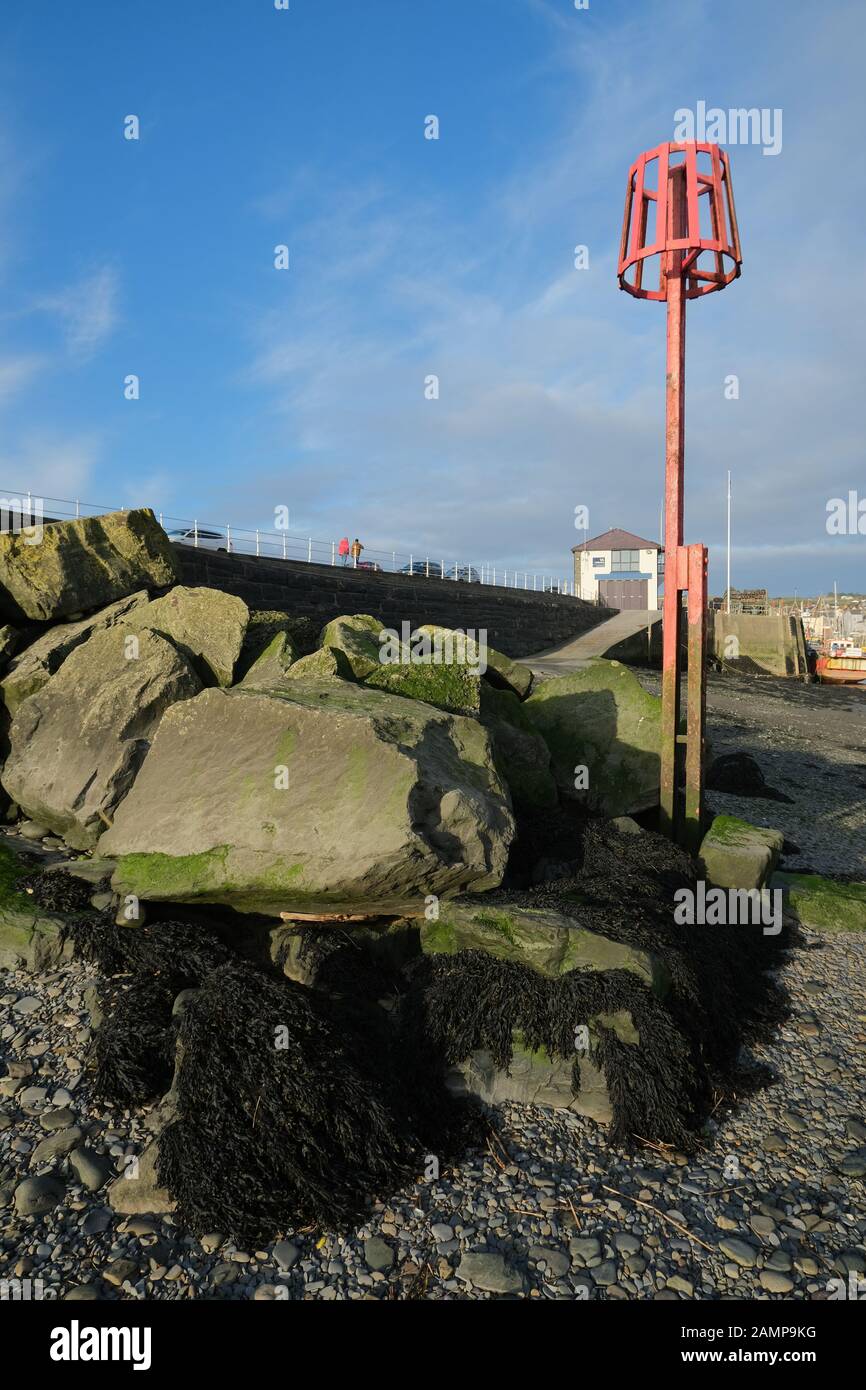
{"points": [[228, 538]]}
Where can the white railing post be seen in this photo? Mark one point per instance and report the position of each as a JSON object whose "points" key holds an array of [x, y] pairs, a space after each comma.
{"points": [[284, 545], [160, 520], [258, 547], [194, 533], [411, 565], [77, 507], [427, 567], [393, 561], [333, 552], [229, 537], [310, 551]]}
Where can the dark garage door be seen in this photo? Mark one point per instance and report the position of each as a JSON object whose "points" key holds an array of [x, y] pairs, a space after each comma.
{"points": [[623, 593]]}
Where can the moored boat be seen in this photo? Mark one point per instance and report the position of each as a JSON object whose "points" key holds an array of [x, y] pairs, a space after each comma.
{"points": [[841, 670]]}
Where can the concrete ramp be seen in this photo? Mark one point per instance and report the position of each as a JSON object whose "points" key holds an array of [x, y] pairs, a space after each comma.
{"points": [[632, 636]]}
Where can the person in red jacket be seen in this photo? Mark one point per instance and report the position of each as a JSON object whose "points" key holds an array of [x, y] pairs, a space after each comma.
{"points": [[344, 550]]}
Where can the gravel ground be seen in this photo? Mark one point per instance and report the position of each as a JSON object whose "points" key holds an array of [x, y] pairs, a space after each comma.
{"points": [[774, 1207], [810, 742]]}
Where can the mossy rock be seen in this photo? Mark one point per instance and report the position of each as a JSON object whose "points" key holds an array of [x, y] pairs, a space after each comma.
{"points": [[541, 938], [83, 564], [357, 636], [823, 904], [272, 666], [735, 854], [452, 688], [499, 670], [601, 718]]}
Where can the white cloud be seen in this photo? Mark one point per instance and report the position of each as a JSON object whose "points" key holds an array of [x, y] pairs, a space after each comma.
{"points": [[16, 373], [87, 309]]}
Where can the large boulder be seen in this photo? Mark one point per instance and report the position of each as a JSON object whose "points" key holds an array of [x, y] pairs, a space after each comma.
{"points": [[470, 649], [314, 795], [38, 662], [206, 625], [76, 745], [357, 636], [601, 719], [82, 564], [735, 854], [522, 756]]}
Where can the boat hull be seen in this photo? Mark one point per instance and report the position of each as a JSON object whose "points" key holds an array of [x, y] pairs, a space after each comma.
{"points": [[841, 670]]}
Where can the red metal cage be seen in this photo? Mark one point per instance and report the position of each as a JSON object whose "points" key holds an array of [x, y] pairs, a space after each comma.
{"points": [[681, 197]]}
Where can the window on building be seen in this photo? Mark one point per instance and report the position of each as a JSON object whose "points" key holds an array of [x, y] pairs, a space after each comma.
{"points": [[598, 562], [625, 559]]}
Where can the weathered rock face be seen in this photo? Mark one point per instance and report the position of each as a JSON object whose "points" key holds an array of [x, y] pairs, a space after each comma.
{"points": [[84, 564], [205, 624], [271, 666], [601, 718], [38, 662], [522, 756], [76, 745], [325, 796], [357, 636], [735, 854]]}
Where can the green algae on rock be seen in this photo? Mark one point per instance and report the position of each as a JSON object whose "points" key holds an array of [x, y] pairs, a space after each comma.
{"points": [[601, 719]]}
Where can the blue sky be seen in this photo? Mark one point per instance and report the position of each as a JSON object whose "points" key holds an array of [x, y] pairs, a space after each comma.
{"points": [[411, 257]]}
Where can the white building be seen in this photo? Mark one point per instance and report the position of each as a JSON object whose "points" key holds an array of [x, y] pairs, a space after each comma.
{"points": [[618, 569]]}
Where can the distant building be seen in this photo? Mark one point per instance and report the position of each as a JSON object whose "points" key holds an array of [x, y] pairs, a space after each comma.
{"points": [[618, 569]]}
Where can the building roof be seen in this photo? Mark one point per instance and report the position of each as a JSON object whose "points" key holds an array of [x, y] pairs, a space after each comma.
{"points": [[617, 540]]}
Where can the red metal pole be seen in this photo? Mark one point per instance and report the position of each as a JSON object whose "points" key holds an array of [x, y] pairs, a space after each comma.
{"points": [[697, 695], [674, 455]]}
